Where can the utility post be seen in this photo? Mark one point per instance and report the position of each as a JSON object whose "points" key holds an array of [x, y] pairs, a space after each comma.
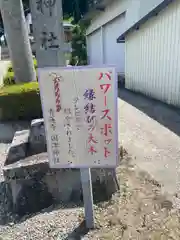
{"points": [[47, 20], [18, 41]]}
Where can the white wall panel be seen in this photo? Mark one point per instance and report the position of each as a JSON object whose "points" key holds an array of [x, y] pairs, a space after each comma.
{"points": [[153, 56], [113, 10], [137, 9], [94, 46], [114, 53]]}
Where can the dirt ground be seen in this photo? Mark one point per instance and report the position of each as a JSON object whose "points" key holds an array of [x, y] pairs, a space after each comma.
{"points": [[138, 211]]}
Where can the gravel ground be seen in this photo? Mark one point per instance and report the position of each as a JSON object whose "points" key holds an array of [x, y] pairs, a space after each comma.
{"points": [[140, 212], [55, 224]]}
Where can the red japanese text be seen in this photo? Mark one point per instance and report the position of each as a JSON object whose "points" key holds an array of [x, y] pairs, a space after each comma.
{"points": [[106, 131]]}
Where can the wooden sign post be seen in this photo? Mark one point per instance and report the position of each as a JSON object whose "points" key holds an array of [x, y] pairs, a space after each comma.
{"points": [[88, 197], [80, 114], [79, 104]]}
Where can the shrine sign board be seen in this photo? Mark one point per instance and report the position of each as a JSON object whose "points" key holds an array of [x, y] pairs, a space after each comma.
{"points": [[80, 115]]}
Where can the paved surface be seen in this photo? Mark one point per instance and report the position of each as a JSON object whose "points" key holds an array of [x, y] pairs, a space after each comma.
{"points": [[3, 69], [150, 131]]}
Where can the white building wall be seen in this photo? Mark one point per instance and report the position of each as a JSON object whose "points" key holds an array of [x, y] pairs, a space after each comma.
{"points": [[102, 46], [116, 8], [132, 13], [147, 5], [113, 52], [153, 56], [102, 36], [137, 9], [94, 48]]}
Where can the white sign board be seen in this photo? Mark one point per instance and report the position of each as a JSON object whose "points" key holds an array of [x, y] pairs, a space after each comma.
{"points": [[80, 114]]}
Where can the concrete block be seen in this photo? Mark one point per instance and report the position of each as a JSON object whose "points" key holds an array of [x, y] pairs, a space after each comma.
{"points": [[18, 147], [64, 185], [31, 167], [37, 138]]}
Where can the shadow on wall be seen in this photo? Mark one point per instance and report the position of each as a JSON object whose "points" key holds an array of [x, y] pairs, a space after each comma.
{"points": [[166, 115]]}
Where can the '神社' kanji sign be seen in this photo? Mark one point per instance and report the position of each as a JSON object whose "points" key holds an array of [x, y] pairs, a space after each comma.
{"points": [[80, 113], [47, 19]]}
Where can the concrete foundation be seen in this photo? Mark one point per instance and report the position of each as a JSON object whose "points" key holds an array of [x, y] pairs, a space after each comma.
{"points": [[35, 185], [64, 185]]}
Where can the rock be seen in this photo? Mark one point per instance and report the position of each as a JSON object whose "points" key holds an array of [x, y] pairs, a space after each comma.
{"points": [[37, 138], [33, 198], [36, 122], [11, 224], [28, 168], [18, 147], [64, 185], [167, 204], [105, 183]]}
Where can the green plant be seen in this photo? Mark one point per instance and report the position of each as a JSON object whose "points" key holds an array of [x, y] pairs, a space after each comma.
{"points": [[35, 62], [20, 102], [9, 78], [79, 53]]}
